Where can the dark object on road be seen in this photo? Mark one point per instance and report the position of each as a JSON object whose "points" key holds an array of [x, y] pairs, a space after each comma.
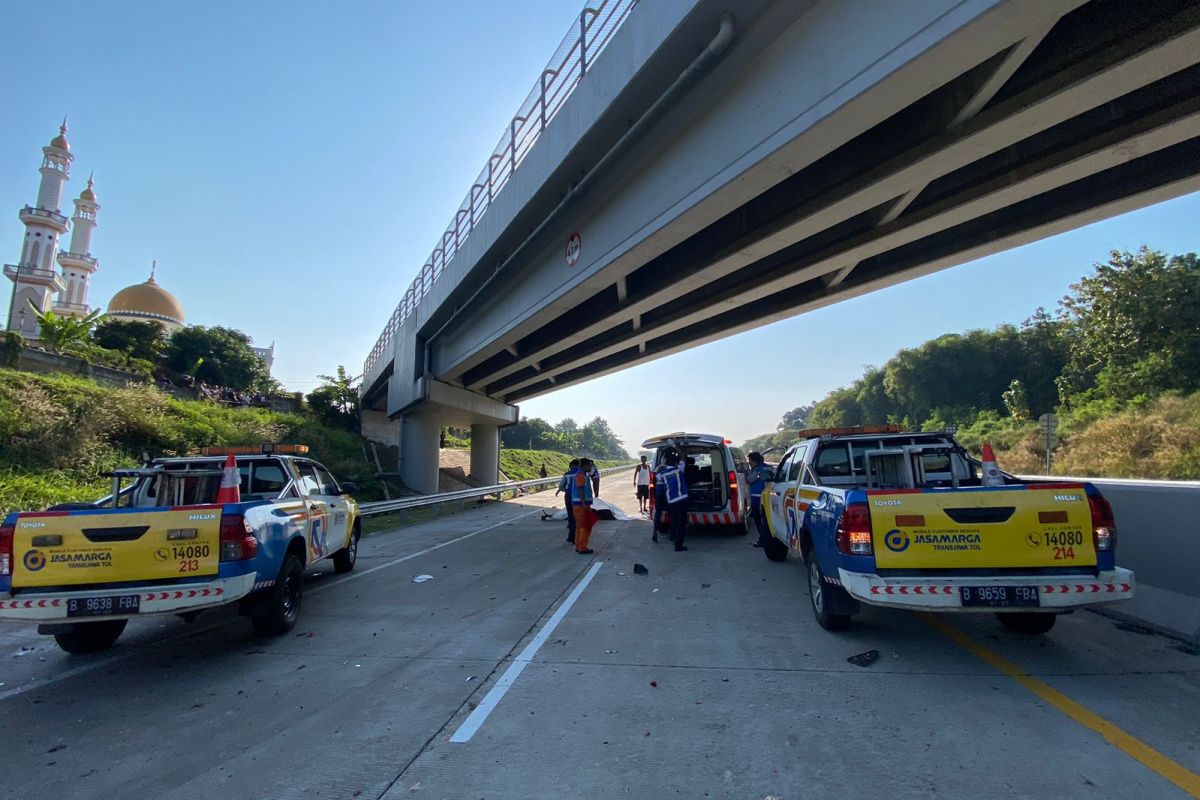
{"points": [[654, 684], [705, 585], [864, 659], [638, 569]]}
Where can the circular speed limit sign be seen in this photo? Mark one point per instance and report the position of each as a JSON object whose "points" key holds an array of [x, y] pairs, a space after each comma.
{"points": [[574, 249]]}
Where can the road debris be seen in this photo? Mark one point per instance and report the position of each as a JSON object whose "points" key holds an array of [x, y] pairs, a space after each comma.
{"points": [[864, 659], [639, 569], [422, 578]]}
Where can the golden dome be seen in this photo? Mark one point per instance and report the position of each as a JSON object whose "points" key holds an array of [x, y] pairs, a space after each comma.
{"points": [[60, 141], [89, 193], [147, 302]]}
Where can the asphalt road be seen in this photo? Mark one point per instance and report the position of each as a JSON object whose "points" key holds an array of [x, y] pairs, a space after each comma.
{"points": [[705, 678]]}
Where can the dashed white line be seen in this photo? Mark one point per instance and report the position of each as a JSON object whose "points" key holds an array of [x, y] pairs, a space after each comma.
{"points": [[472, 723]]}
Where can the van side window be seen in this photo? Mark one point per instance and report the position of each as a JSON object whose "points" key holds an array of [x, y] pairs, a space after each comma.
{"points": [[833, 461]]}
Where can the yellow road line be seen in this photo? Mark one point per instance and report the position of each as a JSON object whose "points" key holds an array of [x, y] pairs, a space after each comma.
{"points": [[1172, 770]]}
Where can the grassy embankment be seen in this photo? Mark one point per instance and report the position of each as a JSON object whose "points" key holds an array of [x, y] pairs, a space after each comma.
{"points": [[58, 433]]}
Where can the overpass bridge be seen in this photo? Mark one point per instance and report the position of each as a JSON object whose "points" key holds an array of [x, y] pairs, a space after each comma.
{"points": [[688, 169]]}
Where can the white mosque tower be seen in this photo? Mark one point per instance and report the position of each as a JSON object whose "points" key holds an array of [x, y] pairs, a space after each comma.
{"points": [[77, 263], [34, 277]]}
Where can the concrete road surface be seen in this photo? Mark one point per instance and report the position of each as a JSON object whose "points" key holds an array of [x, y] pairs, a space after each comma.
{"points": [[523, 670]]}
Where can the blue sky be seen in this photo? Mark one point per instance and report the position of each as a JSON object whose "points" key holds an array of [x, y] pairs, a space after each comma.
{"points": [[290, 166]]}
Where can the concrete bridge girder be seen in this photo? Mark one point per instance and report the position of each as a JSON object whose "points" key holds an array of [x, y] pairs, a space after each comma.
{"points": [[897, 183]]}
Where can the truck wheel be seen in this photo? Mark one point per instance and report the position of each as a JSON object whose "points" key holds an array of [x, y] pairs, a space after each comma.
{"points": [[1027, 622], [819, 595], [343, 560], [775, 550], [91, 637], [280, 610]]}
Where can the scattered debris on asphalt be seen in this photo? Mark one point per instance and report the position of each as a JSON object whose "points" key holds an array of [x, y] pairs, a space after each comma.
{"points": [[705, 585], [422, 578], [638, 569], [654, 684], [468, 680], [610, 652], [864, 659], [24, 650]]}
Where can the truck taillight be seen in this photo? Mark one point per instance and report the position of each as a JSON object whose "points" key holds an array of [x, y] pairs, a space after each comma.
{"points": [[854, 530], [8, 532], [237, 538], [733, 492], [1104, 527]]}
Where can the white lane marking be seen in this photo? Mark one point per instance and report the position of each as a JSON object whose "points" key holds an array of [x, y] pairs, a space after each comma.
{"points": [[38, 683], [472, 723]]}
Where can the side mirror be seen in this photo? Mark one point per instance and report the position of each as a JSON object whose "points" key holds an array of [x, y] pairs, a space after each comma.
{"points": [[349, 487]]}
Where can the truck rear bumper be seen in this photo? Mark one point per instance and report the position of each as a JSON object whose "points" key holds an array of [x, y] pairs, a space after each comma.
{"points": [[942, 594], [52, 606]]}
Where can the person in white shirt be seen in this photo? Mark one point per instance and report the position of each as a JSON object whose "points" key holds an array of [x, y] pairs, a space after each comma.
{"points": [[641, 481]]}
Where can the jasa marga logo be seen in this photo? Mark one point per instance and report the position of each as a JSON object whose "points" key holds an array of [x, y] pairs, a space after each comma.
{"points": [[34, 560], [896, 540]]}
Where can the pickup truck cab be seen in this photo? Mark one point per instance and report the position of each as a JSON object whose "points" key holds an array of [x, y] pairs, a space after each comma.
{"points": [[163, 545], [892, 518]]}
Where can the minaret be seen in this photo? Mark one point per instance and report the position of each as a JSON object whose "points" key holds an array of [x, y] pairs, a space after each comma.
{"points": [[77, 262], [34, 277]]}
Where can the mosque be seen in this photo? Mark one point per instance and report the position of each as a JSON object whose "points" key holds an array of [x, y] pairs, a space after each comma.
{"points": [[64, 290]]}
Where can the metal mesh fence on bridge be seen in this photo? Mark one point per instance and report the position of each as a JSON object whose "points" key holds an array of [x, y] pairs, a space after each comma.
{"points": [[591, 32]]}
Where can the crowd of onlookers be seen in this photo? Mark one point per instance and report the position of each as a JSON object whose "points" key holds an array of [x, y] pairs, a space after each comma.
{"points": [[222, 394]]}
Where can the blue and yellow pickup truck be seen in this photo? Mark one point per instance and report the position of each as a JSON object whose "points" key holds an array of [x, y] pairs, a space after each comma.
{"points": [[909, 520], [162, 544]]}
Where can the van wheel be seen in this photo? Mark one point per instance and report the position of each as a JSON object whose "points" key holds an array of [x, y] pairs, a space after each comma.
{"points": [[343, 560], [91, 637], [820, 596], [1027, 623], [775, 550], [281, 608]]}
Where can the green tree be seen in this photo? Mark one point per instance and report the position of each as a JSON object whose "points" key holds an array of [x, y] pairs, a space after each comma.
{"points": [[144, 340], [217, 355], [336, 401], [1017, 401], [797, 418], [67, 334], [1136, 328]]}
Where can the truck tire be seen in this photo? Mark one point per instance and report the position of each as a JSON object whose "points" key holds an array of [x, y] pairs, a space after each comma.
{"points": [[775, 550], [91, 637], [819, 592], [343, 560], [1027, 622], [279, 611]]}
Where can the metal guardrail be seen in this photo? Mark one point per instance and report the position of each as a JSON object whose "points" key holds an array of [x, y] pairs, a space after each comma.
{"points": [[590, 33], [421, 501]]}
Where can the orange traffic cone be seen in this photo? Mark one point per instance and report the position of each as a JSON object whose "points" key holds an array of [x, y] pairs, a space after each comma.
{"points": [[991, 470], [231, 482]]}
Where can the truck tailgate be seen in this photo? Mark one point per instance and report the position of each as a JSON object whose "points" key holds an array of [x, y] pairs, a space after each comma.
{"points": [[1007, 527], [75, 548]]}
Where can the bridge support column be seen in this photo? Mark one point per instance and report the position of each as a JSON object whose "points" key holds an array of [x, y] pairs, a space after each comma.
{"points": [[419, 457], [485, 453]]}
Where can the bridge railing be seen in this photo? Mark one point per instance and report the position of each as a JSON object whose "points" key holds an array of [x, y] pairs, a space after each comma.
{"points": [[588, 36], [426, 500]]}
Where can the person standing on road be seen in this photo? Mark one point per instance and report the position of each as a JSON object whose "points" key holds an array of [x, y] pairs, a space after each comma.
{"points": [[581, 499], [757, 476], [564, 488], [641, 483], [594, 474], [675, 487]]}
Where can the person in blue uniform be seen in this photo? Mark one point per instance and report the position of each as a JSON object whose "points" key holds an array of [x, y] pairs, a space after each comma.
{"points": [[757, 476], [564, 488], [675, 487]]}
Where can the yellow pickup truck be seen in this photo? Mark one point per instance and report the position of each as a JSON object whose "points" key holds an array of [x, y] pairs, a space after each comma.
{"points": [[906, 519], [168, 543]]}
